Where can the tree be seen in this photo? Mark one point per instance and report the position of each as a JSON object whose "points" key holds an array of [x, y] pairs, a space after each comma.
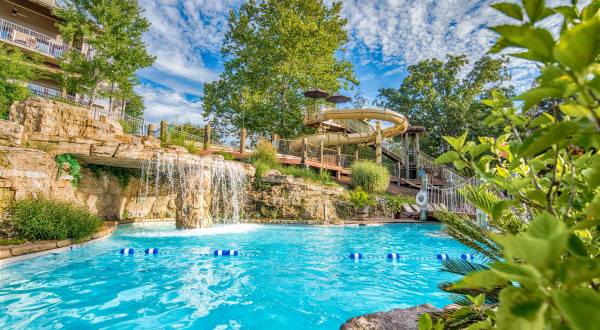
{"points": [[113, 31], [274, 50], [546, 269], [16, 70], [435, 96]]}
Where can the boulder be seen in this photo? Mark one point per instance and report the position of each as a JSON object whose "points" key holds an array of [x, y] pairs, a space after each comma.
{"points": [[400, 318], [289, 198], [11, 134]]}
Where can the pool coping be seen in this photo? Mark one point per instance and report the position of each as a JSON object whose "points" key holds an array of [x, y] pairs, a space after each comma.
{"points": [[42, 248]]}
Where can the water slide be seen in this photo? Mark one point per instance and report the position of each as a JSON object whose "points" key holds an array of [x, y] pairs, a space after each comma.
{"points": [[398, 127]]}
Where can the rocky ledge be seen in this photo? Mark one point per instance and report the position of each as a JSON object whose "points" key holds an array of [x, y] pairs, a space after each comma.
{"points": [[399, 318], [11, 251]]}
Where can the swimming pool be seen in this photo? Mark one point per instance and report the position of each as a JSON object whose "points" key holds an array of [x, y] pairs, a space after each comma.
{"points": [[286, 277]]}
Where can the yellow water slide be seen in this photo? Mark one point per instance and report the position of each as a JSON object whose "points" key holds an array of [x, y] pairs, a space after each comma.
{"points": [[398, 121]]}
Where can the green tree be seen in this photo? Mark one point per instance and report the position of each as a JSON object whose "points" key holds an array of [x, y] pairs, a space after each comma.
{"points": [[546, 269], [435, 96], [275, 49], [113, 31], [16, 70]]}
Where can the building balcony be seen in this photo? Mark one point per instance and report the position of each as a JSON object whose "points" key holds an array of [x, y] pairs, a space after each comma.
{"points": [[32, 40]]}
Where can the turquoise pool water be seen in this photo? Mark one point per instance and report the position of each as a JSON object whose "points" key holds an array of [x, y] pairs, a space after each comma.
{"points": [[287, 277]]}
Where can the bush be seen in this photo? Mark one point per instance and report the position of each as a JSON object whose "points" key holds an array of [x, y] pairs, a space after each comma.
{"points": [[369, 176], [360, 199], [265, 153], [395, 202], [74, 167], [226, 155], [40, 219], [261, 169]]}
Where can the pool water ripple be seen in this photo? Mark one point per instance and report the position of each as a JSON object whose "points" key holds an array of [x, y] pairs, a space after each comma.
{"points": [[292, 277]]}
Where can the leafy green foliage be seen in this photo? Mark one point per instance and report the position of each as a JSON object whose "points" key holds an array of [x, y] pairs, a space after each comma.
{"points": [[16, 69], [226, 155], [12, 241], [549, 169], [435, 96], [361, 199], [395, 202], [135, 106], [70, 163], [39, 219], [113, 31], [369, 176], [265, 153], [274, 50]]}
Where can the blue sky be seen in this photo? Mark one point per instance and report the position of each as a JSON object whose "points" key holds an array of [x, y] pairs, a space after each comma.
{"points": [[385, 37]]}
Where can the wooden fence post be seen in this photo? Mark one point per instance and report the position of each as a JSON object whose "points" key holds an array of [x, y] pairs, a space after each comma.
{"points": [[151, 129], [164, 133], [207, 133], [338, 173], [321, 156], [243, 141], [304, 150]]}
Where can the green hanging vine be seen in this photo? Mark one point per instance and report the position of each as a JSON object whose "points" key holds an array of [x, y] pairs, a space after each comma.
{"points": [[74, 166]]}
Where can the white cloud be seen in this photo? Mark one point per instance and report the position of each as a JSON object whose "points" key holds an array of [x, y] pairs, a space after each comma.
{"points": [[397, 33], [170, 105], [180, 31]]}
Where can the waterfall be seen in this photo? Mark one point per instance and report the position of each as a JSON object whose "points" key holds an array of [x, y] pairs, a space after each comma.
{"points": [[209, 189]]}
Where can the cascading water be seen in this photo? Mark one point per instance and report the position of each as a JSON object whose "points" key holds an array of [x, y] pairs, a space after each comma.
{"points": [[209, 189]]}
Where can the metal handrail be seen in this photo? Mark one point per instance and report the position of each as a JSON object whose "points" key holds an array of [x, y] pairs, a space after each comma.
{"points": [[51, 93]]}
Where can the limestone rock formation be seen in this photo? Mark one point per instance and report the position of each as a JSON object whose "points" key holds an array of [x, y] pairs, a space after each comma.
{"points": [[400, 318], [295, 199]]}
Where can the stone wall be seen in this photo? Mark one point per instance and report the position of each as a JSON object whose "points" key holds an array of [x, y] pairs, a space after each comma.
{"points": [[286, 198], [34, 173]]}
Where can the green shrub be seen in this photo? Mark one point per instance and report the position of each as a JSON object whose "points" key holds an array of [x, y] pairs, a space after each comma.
{"points": [[74, 167], [261, 169], [265, 153], [369, 176], [226, 155], [360, 198], [191, 147], [395, 202], [12, 241], [40, 219]]}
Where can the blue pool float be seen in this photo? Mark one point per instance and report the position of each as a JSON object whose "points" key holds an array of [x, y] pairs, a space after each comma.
{"points": [[442, 256], [356, 256], [220, 253], [393, 256], [127, 251], [151, 251]]}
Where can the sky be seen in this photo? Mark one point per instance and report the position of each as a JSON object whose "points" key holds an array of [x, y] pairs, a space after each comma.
{"points": [[384, 38]]}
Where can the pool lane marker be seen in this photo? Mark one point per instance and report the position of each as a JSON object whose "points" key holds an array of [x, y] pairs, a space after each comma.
{"points": [[151, 251], [127, 251], [226, 253]]}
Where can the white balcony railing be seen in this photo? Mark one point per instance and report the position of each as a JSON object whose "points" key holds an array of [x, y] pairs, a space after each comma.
{"points": [[32, 39]]}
